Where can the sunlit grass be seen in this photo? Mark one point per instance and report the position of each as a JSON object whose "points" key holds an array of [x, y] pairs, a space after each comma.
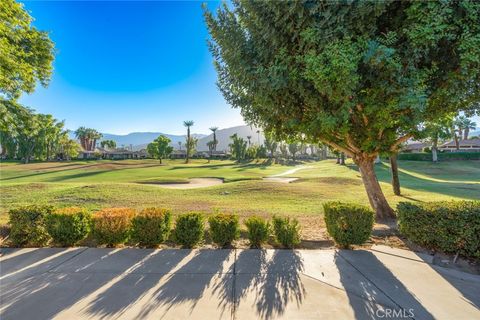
{"points": [[115, 183]]}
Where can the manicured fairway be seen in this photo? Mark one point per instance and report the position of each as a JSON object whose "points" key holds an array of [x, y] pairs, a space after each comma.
{"points": [[97, 184]]}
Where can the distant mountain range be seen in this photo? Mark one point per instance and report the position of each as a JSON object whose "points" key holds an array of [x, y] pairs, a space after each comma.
{"points": [[140, 140]]}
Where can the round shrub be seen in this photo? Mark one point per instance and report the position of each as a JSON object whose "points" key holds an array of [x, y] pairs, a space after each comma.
{"points": [[286, 231], [189, 229], [27, 225], [111, 226], [348, 223], [151, 227], [224, 228], [67, 226], [258, 230]]}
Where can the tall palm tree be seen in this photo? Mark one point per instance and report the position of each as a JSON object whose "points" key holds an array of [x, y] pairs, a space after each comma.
{"points": [[180, 145], [188, 124], [215, 142], [258, 137], [467, 126], [249, 140], [95, 136], [81, 134]]}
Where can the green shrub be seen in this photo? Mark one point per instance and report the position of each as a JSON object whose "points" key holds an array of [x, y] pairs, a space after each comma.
{"points": [[111, 226], [27, 225], [442, 156], [224, 228], [189, 229], [286, 231], [450, 227], [258, 231], [67, 226], [348, 223], [151, 226]]}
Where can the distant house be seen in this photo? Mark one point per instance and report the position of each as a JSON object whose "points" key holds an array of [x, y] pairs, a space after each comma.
{"points": [[472, 145], [414, 147], [116, 154]]}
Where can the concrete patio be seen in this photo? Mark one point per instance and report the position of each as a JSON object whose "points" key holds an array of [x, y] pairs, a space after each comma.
{"points": [[87, 283]]}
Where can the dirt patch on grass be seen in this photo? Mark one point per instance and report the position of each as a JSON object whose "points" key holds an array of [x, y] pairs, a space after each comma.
{"points": [[191, 184], [333, 181]]}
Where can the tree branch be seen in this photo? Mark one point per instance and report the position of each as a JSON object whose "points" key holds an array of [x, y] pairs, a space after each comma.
{"points": [[399, 141]]}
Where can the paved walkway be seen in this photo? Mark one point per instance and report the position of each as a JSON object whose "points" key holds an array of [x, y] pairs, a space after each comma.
{"points": [[81, 283]]}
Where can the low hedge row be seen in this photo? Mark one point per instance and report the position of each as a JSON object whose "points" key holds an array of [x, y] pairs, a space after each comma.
{"points": [[442, 156], [38, 225], [451, 227]]}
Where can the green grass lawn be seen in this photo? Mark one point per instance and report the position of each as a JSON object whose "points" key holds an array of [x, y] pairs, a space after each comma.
{"points": [[97, 184]]}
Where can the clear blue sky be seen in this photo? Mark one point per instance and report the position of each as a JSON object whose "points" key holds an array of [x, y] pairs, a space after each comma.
{"points": [[122, 67]]}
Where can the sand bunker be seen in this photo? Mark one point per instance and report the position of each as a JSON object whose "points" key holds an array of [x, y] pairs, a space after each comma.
{"points": [[280, 179], [192, 184]]}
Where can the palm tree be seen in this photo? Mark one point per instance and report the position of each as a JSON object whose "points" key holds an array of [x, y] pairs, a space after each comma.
{"points": [[258, 137], [95, 136], [467, 126], [215, 142], [81, 134], [188, 124], [180, 145], [249, 142]]}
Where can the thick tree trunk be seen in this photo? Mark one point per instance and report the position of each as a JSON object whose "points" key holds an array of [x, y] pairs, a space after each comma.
{"points": [[377, 199], [434, 150], [466, 132], [394, 169], [455, 137]]}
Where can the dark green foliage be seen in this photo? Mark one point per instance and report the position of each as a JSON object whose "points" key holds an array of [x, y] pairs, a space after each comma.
{"points": [[111, 226], [151, 227], [189, 229], [224, 228], [348, 223], [447, 226], [67, 226], [442, 156], [360, 76], [258, 231], [27, 225], [286, 231]]}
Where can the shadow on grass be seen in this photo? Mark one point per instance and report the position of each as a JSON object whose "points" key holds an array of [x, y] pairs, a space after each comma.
{"points": [[457, 189]]}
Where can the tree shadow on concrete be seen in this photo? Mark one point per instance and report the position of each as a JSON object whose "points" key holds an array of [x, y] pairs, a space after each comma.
{"points": [[43, 296], [187, 284], [281, 284], [274, 282], [123, 294], [378, 288]]}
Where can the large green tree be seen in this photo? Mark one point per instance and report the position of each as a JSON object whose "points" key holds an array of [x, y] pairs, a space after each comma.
{"points": [[26, 54], [358, 76], [160, 148]]}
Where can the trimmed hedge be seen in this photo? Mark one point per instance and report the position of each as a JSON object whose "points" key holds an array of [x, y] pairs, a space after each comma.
{"points": [[450, 227], [189, 229], [348, 223], [286, 231], [224, 228], [258, 230], [111, 226], [27, 225], [67, 226], [442, 156], [151, 227]]}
